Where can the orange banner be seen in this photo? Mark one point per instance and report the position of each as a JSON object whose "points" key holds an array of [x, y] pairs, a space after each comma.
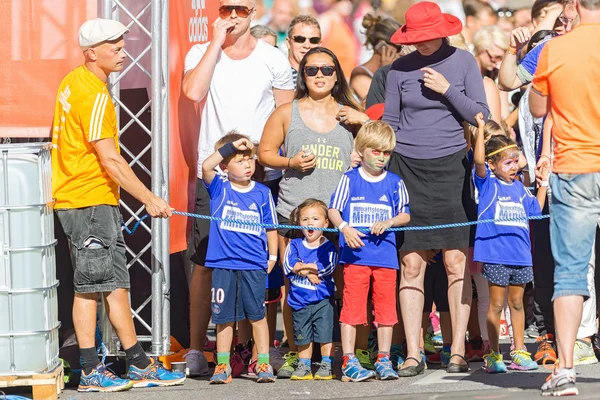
{"points": [[190, 22], [38, 48]]}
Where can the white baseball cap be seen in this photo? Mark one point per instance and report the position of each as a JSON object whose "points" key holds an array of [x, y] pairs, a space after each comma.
{"points": [[96, 31]]}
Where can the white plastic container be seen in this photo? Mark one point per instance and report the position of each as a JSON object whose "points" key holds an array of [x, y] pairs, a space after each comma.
{"points": [[28, 300]]}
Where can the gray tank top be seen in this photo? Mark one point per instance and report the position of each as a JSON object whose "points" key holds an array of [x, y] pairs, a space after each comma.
{"points": [[332, 149]]}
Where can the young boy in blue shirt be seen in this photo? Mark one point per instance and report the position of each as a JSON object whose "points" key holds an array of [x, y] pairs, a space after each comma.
{"points": [[241, 255], [369, 197]]}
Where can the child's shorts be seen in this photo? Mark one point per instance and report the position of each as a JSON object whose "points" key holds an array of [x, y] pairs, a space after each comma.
{"points": [[357, 281], [313, 323], [504, 275], [237, 295]]}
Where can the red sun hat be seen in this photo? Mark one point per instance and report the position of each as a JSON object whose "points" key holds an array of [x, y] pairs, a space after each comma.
{"points": [[425, 21]]}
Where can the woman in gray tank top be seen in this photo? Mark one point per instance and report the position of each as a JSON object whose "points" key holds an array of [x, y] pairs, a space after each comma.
{"points": [[309, 140]]}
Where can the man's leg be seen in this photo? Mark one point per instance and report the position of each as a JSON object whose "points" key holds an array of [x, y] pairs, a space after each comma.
{"points": [[84, 322]]}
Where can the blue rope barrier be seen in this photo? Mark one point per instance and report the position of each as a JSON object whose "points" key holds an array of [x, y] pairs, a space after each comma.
{"points": [[295, 227]]}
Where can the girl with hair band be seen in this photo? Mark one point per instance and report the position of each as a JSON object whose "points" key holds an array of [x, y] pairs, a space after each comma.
{"points": [[504, 246]]}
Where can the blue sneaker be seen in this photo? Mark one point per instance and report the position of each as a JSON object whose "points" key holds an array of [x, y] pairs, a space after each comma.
{"points": [[397, 357], [385, 370], [352, 371], [265, 374], [521, 361], [100, 379], [493, 363], [154, 375], [424, 357], [221, 375]]}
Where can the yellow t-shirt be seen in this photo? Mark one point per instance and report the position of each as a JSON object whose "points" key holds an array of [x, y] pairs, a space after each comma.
{"points": [[84, 113]]}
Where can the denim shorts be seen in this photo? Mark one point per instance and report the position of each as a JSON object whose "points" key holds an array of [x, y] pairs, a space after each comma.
{"points": [[97, 248], [313, 323], [237, 295], [574, 210], [505, 275]]}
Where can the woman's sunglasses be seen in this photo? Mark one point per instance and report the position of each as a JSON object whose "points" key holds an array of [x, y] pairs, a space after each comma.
{"points": [[326, 70], [505, 12], [240, 11], [302, 39]]}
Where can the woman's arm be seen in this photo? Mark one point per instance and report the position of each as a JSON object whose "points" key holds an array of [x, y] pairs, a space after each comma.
{"points": [[393, 101], [492, 96], [273, 137]]}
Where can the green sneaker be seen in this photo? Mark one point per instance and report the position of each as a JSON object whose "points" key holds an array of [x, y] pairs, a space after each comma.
{"points": [[583, 353], [364, 358], [302, 373], [290, 365], [428, 346]]}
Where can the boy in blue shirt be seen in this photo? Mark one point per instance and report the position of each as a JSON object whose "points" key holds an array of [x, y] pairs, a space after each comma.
{"points": [[309, 263], [241, 255], [369, 197]]}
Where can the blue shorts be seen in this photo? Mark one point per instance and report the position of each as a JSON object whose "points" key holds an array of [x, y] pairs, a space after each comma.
{"points": [[314, 323], [504, 275], [575, 211], [237, 295]]}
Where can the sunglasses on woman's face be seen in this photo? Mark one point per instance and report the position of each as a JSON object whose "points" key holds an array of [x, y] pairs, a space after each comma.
{"points": [[240, 11], [302, 39], [505, 12], [326, 70]]}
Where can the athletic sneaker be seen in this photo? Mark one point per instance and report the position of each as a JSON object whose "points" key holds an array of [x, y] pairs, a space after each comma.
{"points": [[385, 370], [353, 371], [252, 367], [442, 357], [325, 372], [290, 365], [561, 382], [196, 362], [154, 375], [424, 357], [364, 358], [276, 359], [302, 373], [475, 349], [100, 379], [428, 345], [493, 363], [532, 331], [521, 361], [265, 374], [397, 358], [583, 353], [545, 351], [221, 375]]}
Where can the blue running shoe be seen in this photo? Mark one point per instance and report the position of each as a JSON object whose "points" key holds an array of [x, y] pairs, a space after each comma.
{"points": [[154, 375], [100, 379], [352, 371], [265, 374], [493, 363], [221, 375], [521, 361], [385, 370], [397, 357]]}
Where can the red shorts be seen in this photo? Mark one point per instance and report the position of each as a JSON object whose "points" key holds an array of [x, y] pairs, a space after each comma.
{"points": [[357, 280]]}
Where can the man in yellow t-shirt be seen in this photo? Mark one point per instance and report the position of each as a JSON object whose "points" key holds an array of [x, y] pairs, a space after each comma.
{"points": [[566, 85], [87, 171]]}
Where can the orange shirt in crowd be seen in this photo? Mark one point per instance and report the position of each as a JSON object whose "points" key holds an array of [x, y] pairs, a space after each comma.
{"points": [[340, 40], [84, 112], [569, 72]]}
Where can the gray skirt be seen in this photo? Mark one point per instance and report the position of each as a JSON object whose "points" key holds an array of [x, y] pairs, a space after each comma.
{"points": [[440, 192]]}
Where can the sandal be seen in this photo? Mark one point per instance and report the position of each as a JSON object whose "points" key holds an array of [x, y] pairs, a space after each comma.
{"points": [[412, 370], [454, 368]]}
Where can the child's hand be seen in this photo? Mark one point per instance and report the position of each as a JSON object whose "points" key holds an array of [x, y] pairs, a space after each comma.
{"points": [[430, 256], [544, 173], [352, 237], [381, 226], [314, 279], [480, 120], [243, 144]]}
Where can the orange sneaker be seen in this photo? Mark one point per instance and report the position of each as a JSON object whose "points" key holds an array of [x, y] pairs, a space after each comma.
{"points": [[545, 352]]}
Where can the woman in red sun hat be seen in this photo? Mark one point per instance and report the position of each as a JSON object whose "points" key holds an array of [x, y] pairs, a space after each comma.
{"points": [[429, 93]]}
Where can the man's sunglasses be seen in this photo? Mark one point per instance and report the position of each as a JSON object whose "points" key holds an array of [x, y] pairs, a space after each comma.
{"points": [[505, 12], [240, 11], [326, 70], [302, 39]]}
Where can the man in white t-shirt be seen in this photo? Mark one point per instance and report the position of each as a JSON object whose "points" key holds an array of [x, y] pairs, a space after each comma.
{"points": [[239, 81]]}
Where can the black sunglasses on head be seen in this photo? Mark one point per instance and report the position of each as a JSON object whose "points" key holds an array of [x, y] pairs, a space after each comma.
{"points": [[326, 70], [302, 39]]}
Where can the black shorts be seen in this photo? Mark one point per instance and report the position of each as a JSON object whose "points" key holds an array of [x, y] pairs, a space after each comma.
{"points": [[200, 227], [436, 287], [313, 323], [97, 248]]}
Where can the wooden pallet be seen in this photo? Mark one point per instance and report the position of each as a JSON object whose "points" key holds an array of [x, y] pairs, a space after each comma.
{"points": [[44, 386]]}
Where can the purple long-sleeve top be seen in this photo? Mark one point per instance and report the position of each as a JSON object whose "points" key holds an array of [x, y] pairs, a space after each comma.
{"points": [[427, 124]]}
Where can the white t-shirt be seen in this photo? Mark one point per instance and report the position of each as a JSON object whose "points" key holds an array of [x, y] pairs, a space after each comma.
{"points": [[240, 95]]}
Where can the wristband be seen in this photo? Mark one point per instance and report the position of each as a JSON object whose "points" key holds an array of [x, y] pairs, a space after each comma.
{"points": [[543, 155], [272, 257], [227, 149], [512, 50], [342, 225], [544, 184]]}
